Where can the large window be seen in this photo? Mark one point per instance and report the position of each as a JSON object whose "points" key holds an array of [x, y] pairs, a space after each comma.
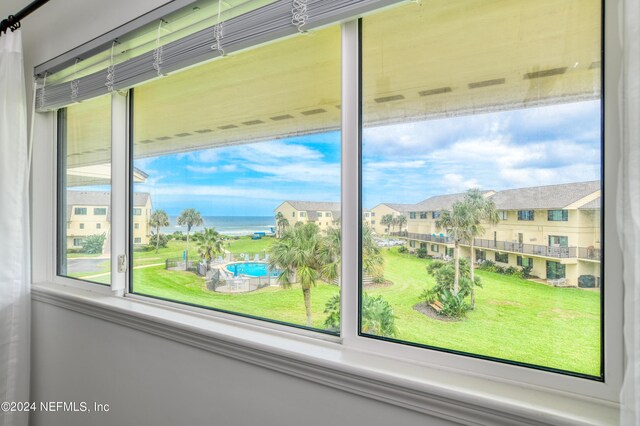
{"points": [[242, 158], [84, 181], [473, 109]]}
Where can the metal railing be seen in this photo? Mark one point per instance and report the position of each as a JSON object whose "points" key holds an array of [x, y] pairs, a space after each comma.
{"points": [[589, 253], [223, 282], [423, 237]]}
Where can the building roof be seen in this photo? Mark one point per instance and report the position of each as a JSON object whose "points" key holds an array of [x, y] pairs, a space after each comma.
{"points": [[439, 202], [544, 197], [314, 205], [100, 198], [398, 207], [594, 204]]}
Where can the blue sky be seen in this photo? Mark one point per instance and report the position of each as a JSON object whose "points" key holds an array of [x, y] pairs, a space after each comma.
{"points": [[402, 163]]}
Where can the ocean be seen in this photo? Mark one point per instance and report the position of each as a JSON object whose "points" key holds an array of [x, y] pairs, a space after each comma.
{"points": [[228, 225]]}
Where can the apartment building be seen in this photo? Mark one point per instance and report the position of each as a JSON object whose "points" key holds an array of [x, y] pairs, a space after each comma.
{"points": [[395, 210], [322, 213], [89, 213], [554, 229]]}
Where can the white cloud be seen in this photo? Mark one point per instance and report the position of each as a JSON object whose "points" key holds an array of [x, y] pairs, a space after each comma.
{"points": [[203, 170]]}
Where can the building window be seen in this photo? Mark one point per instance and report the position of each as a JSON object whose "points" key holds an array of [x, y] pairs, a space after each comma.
{"points": [[137, 212], [558, 215], [423, 245], [435, 248], [98, 226], [435, 215], [558, 241], [80, 211], [100, 211], [77, 242], [503, 215], [412, 215], [373, 214], [555, 270], [319, 214], [373, 222], [502, 257], [412, 244], [228, 138], [525, 215], [423, 215], [136, 226], [366, 214], [82, 226], [524, 261], [137, 240]]}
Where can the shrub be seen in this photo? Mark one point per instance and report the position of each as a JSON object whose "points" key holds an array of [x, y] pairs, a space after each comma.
{"points": [[377, 316], [145, 248], [403, 249], [93, 244], [429, 295], [453, 305], [511, 270], [421, 253], [378, 279], [74, 250], [444, 273], [163, 240], [499, 269], [526, 271], [488, 265], [586, 281]]}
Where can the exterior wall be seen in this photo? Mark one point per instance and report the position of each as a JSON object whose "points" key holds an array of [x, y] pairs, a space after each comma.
{"points": [[141, 228], [325, 220], [81, 226], [379, 212]]}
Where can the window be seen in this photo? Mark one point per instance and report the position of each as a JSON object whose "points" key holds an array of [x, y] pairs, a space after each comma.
{"points": [[558, 215], [525, 215], [555, 270], [435, 248], [366, 214], [412, 215], [525, 261], [137, 212], [373, 214], [98, 226], [319, 214], [84, 179], [223, 156], [435, 215], [136, 226], [100, 211], [490, 73], [412, 244], [373, 222]]}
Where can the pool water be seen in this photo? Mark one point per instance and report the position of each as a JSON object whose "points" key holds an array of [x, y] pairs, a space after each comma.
{"points": [[254, 269]]}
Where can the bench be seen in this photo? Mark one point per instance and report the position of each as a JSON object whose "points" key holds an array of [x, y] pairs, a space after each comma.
{"points": [[437, 306]]}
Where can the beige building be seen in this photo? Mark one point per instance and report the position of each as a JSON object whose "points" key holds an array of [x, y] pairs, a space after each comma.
{"points": [[89, 213], [323, 213], [555, 229], [395, 210]]}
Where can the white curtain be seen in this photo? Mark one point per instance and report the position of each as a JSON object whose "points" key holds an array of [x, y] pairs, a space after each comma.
{"points": [[14, 230], [629, 207]]}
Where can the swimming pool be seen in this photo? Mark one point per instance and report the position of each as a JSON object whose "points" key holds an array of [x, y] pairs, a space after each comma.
{"points": [[254, 269]]}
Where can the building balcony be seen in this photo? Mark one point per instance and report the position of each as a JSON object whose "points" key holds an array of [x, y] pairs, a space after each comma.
{"points": [[587, 253]]}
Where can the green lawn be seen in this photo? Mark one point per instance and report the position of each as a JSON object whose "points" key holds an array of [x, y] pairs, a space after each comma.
{"points": [[514, 319]]}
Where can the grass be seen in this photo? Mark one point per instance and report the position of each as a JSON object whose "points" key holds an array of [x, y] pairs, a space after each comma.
{"points": [[514, 319]]}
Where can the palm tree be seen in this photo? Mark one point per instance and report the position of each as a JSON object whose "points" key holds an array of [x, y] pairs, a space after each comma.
{"points": [[457, 223], [296, 254], [386, 220], [210, 243], [191, 218], [281, 222], [158, 219], [402, 221], [483, 210]]}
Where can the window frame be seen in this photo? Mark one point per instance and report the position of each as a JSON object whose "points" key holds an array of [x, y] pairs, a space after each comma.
{"points": [[608, 390]]}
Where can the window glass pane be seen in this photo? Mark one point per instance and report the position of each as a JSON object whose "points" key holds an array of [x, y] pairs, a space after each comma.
{"points": [[84, 190], [238, 194], [486, 113]]}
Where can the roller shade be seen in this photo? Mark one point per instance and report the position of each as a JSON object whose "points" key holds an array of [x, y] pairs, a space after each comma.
{"points": [[263, 24]]}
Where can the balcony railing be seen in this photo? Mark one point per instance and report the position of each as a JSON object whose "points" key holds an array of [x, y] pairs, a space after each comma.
{"points": [[530, 249]]}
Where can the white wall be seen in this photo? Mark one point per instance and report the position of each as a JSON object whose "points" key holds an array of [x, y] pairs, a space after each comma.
{"points": [[148, 380], [145, 379]]}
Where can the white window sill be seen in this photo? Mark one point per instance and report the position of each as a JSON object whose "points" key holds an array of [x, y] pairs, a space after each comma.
{"points": [[444, 394]]}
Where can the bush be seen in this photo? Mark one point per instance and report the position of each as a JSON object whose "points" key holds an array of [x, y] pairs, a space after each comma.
{"points": [[145, 248], [378, 279], [499, 269], [377, 316], [586, 281], [429, 295], [403, 249], [511, 270], [453, 305], [93, 244], [421, 253], [488, 265], [526, 271], [74, 250], [163, 240]]}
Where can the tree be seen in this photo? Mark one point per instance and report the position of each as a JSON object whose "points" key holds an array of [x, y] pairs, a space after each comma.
{"points": [[210, 243], [330, 254], [93, 243], [483, 210], [457, 223], [158, 219], [281, 222], [296, 254], [387, 220], [377, 316], [190, 218], [402, 221]]}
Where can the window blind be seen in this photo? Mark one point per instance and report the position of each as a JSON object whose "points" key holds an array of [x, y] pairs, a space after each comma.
{"points": [[266, 23]]}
